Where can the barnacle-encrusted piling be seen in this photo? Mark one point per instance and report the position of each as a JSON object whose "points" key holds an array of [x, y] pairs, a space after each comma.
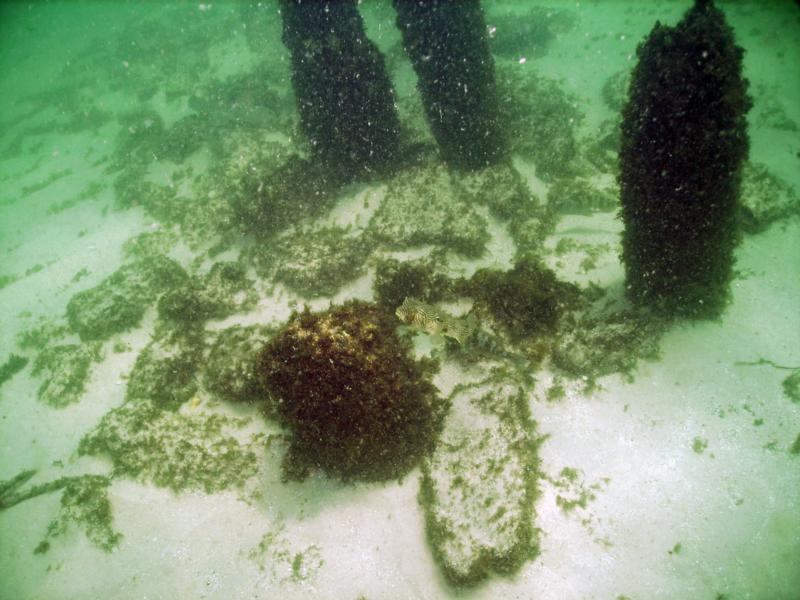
{"points": [[447, 44], [684, 139], [344, 96]]}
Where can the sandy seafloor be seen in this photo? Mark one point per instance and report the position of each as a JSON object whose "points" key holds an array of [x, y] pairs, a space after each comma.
{"points": [[691, 490]]}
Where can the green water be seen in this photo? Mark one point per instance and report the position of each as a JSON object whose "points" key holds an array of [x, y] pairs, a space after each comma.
{"points": [[151, 244]]}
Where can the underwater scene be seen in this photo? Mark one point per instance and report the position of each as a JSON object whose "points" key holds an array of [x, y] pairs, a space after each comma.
{"points": [[400, 300]]}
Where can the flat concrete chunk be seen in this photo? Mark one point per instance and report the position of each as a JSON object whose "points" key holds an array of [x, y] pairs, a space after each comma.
{"points": [[479, 486]]}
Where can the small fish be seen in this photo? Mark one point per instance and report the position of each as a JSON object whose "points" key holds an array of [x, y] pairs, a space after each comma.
{"points": [[431, 320]]}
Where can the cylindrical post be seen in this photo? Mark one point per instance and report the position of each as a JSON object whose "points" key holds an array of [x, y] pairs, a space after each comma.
{"points": [[447, 44], [344, 96], [684, 139]]}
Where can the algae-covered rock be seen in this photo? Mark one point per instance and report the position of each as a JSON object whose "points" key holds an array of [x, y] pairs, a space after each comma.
{"points": [[149, 244], [196, 451], [580, 197], [615, 90], [318, 262], [529, 234], [528, 33], [140, 136], [85, 504], [165, 371], [595, 346], [541, 118], [230, 369], [40, 336], [765, 198], [220, 293], [250, 101], [601, 147], [422, 207], [118, 303], [64, 370], [11, 367], [502, 189], [269, 189], [479, 486]]}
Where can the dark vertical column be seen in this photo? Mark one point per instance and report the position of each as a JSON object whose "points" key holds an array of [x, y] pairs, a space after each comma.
{"points": [[344, 96], [446, 42], [684, 139]]}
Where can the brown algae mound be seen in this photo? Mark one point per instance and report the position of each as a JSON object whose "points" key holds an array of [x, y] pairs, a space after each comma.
{"points": [[118, 303], [64, 370], [357, 405], [422, 207], [179, 451], [479, 486]]}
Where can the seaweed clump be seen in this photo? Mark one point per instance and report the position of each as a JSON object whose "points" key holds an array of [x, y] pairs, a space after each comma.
{"points": [[396, 280], [358, 406], [527, 301], [791, 386]]}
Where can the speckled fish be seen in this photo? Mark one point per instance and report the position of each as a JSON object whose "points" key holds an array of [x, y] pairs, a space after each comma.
{"points": [[431, 320]]}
